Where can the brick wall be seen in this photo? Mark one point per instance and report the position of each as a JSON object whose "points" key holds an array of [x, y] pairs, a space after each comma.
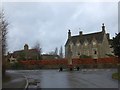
{"points": [[75, 61]]}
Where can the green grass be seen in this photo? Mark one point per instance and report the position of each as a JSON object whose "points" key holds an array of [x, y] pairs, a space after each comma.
{"points": [[116, 76]]}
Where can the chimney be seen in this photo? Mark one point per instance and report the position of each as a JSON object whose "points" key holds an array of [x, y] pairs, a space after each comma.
{"points": [[80, 33], [26, 47], [103, 28], [108, 36], [69, 34]]}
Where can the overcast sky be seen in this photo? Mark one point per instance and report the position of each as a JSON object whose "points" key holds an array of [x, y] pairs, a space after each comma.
{"points": [[48, 23]]}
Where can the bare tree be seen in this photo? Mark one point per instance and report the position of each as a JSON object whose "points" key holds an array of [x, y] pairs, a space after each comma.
{"points": [[56, 51], [37, 46], [3, 27], [3, 38], [61, 52]]}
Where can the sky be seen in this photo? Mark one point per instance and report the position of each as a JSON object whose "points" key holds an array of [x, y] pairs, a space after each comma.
{"points": [[48, 22]]}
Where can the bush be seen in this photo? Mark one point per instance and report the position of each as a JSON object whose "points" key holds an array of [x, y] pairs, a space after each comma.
{"points": [[85, 56], [110, 55], [116, 76], [116, 44], [17, 66]]}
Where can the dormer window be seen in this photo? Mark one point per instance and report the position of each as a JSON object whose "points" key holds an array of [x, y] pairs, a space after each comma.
{"points": [[78, 53], [78, 44], [94, 43], [95, 52], [86, 43]]}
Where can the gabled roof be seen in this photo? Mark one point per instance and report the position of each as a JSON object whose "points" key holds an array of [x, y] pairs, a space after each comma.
{"points": [[89, 37], [30, 51]]}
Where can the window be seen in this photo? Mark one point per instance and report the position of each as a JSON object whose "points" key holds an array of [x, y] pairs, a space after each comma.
{"points": [[78, 53], [95, 52], [86, 43], [94, 43], [78, 44]]}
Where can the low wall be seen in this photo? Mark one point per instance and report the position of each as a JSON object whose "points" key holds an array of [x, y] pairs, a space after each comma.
{"points": [[83, 63]]}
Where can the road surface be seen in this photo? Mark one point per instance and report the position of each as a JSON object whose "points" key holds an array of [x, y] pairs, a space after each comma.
{"points": [[98, 78]]}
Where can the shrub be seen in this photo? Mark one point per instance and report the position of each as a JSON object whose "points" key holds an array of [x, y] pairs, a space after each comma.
{"points": [[116, 76], [85, 56]]}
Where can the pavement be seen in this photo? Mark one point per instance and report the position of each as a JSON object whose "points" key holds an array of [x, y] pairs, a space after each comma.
{"points": [[16, 81]]}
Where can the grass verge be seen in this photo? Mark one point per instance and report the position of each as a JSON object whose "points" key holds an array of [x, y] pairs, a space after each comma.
{"points": [[116, 76]]}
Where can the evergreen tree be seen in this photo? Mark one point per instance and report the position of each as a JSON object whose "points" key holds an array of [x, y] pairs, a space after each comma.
{"points": [[116, 45], [61, 52], [56, 51], [37, 46]]}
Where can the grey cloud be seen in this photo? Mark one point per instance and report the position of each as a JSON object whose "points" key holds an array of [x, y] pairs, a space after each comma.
{"points": [[48, 23]]}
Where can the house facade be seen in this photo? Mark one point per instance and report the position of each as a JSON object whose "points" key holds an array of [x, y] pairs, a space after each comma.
{"points": [[25, 54], [95, 45]]}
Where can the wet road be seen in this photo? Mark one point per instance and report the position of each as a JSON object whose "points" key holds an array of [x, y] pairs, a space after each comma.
{"points": [[98, 78], [15, 81]]}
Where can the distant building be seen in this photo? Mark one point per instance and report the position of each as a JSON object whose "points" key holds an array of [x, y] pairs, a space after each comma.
{"points": [[25, 54], [50, 57], [96, 45], [11, 59]]}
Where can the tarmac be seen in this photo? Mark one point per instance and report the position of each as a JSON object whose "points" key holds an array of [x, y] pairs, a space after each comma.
{"points": [[17, 81], [85, 78]]}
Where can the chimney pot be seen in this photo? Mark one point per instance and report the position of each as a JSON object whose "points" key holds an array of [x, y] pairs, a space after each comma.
{"points": [[80, 33]]}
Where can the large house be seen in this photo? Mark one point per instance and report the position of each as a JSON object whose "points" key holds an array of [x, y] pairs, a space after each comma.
{"points": [[95, 45], [25, 54]]}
